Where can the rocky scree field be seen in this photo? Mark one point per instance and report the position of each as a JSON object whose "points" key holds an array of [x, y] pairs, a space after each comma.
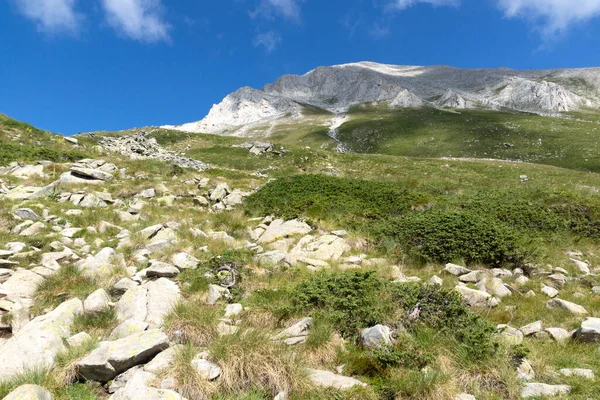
{"points": [[159, 264]]}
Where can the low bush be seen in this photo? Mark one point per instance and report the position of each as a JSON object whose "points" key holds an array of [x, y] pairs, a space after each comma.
{"points": [[351, 202], [442, 236], [350, 300]]}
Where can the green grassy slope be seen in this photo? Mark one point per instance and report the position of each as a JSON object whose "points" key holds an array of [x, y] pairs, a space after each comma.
{"points": [[569, 143]]}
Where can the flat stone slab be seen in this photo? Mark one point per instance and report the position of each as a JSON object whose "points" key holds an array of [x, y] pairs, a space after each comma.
{"points": [[112, 358], [328, 379], [38, 342]]}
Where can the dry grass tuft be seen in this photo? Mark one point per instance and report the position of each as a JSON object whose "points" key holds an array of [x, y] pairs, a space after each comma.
{"points": [[250, 360], [194, 322]]}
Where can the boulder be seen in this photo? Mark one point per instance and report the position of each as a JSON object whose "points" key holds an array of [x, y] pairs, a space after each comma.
{"points": [[29, 392], [510, 335], [280, 229], [580, 372], [90, 173], [33, 229], [558, 334], [36, 345], [133, 305], [376, 336], [97, 302], [163, 295], [26, 213], [326, 379], [589, 331], [206, 369], [159, 269], [531, 328], [232, 310], [573, 308], [299, 330], [476, 298], [215, 293], [162, 361], [22, 283], [542, 389], [137, 388], [455, 270], [113, 357], [184, 261]]}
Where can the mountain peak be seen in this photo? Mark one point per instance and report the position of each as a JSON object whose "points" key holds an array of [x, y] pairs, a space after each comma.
{"points": [[337, 88]]}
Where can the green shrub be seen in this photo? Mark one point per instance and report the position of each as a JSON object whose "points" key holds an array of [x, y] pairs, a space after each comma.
{"points": [[350, 300], [443, 311], [352, 202], [444, 236], [376, 362]]}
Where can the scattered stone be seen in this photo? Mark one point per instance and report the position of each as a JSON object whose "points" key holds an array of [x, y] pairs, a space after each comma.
{"points": [[206, 369], [558, 334], [33, 230], [455, 270], [233, 310], [162, 361], [532, 328], [573, 308], [97, 302], [328, 379], [26, 213], [510, 335], [29, 392], [476, 298], [123, 286], [296, 333], [159, 269], [549, 291], [584, 373], [525, 371], [215, 293], [589, 331], [279, 229], [184, 261], [376, 337], [137, 388], [542, 389]]}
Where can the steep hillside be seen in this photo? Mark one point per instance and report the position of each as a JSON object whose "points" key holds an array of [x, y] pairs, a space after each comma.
{"points": [[171, 265]]}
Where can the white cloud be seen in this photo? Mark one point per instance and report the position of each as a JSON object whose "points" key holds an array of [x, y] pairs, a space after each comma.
{"points": [[551, 16], [269, 40], [138, 19], [52, 16], [404, 4], [289, 9]]}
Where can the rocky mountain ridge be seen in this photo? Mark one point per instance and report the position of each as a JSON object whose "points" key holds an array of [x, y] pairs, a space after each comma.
{"points": [[337, 88]]}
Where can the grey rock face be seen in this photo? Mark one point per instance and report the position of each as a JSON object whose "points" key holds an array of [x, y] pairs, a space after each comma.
{"points": [[399, 86], [112, 358]]}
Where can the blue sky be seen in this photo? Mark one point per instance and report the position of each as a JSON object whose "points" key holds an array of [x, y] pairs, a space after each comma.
{"points": [[72, 66]]}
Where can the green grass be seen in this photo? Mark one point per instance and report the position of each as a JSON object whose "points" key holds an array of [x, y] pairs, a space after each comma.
{"points": [[471, 133]]}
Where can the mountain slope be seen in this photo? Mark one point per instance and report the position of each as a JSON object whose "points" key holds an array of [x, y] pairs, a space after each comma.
{"points": [[337, 88]]}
